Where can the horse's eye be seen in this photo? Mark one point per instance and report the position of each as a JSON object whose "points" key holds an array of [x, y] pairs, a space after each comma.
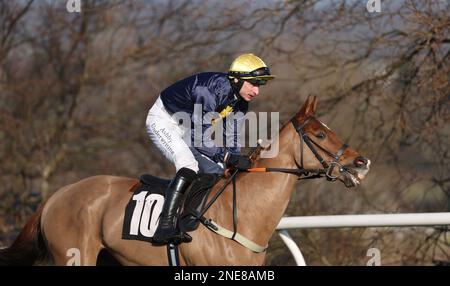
{"points": [[321, 135]]}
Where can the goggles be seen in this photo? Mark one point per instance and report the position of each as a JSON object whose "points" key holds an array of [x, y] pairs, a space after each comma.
{"points": [[256, 81], [264, 71]]}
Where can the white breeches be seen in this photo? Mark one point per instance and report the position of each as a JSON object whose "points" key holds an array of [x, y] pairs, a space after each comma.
{"points": [[167, 135]]}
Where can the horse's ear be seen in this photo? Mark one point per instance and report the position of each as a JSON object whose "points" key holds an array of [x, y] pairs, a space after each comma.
{"points": [[308, 108], [314, 105]]}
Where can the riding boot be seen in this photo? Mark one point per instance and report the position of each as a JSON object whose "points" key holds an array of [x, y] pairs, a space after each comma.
{"points": [[167, 230]]}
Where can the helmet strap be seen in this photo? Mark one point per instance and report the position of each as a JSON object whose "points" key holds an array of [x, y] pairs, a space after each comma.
{"points": [[236, 86]]}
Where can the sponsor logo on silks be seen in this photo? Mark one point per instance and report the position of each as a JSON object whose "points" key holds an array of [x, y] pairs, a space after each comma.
{"points": [[224, 113]]}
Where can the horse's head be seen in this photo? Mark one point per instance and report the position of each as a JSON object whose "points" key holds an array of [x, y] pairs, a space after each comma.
{"points": [[322, 150]]}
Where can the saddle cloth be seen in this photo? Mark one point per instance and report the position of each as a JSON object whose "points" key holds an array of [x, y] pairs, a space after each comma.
{"points": [[143, 211]]}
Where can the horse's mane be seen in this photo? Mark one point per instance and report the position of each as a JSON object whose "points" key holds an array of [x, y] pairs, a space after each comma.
{"points": [[258, 151]]}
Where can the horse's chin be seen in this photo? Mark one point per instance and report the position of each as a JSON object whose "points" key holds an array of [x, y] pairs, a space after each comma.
{"points": [[351, 178]]}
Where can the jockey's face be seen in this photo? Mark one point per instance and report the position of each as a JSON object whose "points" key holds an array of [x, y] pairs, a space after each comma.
{"points": [[249, 91]]}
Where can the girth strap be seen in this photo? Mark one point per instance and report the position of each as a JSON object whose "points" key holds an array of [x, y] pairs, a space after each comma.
{"points": [[242, 240]]}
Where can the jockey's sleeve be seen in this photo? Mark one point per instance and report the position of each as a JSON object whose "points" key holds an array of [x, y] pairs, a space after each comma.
{"points": [[232, 126], [206, 99], [232, 129]]}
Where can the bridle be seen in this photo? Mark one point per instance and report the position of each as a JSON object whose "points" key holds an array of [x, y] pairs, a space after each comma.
{"points": [[303, 173], [327, 167]]}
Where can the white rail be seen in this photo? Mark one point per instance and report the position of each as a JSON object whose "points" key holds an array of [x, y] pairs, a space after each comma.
{"points": [[342, 221], [293, 247]]}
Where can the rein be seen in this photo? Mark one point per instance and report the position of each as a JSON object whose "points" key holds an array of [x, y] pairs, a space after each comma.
{"points": [[233, 235]]}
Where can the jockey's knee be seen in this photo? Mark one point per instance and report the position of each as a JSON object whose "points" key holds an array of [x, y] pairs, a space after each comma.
{"points": [[190, 164]]}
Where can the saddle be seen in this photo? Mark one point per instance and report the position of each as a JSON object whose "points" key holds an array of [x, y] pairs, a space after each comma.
{"points": [[144, 208], [152, 183]]}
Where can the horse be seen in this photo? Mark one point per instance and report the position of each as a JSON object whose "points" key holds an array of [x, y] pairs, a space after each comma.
{"points": [[88, 215]]}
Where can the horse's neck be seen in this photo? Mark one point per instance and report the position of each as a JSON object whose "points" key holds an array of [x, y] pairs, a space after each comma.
{"points": [[263, 197]]}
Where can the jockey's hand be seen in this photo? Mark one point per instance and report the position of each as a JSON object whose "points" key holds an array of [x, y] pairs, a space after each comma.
{"points": [[239, 162]]}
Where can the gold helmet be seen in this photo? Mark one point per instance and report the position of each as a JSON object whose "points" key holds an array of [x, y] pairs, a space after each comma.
{"points": [[250, 67]]}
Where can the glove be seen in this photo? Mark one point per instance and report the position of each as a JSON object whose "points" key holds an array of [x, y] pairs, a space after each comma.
{"points": [[239, 162]]}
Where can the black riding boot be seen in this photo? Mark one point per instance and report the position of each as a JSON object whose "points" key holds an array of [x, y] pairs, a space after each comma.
{"points": [[167, 230]]}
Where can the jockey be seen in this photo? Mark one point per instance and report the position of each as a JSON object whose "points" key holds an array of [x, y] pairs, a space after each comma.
{"points": [[213, 92]]}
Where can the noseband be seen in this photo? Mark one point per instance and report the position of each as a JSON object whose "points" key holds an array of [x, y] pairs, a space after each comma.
{"points": [[327, 167]]}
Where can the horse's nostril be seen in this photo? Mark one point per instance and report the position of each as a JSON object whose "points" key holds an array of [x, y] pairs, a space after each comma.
{"points": [[360, 162]]}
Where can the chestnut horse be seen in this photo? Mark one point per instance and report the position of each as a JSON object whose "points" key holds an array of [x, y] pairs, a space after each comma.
{"points": [[88, 215]]}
